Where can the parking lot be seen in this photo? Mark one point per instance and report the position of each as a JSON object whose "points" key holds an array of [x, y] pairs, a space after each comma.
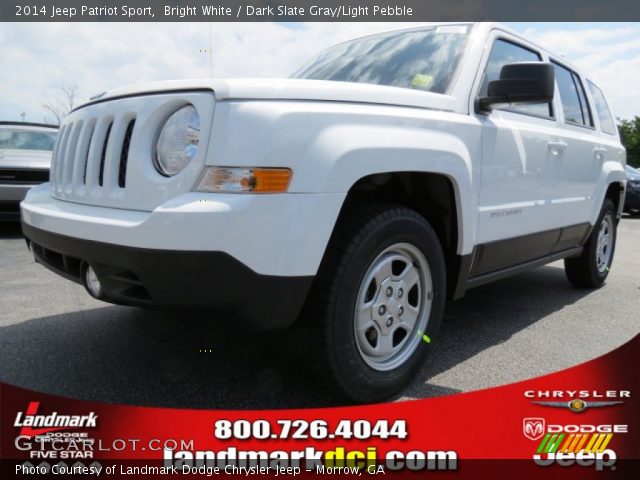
{"points": [[56, 339]]}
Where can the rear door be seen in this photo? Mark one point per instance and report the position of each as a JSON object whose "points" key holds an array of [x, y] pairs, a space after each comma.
{"points": [[577, 154]]}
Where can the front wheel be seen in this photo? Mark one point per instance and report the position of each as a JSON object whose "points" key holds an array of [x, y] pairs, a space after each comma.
{"points": [[591, 268], [377, 301]]}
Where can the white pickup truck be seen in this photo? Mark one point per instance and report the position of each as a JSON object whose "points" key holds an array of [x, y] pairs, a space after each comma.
{"points": [[389, 174]]}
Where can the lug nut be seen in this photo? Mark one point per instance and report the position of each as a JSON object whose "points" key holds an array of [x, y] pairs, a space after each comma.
{"points": [[400, 293], [389, 291], [400, 311], [389, 321], [382, 310]]}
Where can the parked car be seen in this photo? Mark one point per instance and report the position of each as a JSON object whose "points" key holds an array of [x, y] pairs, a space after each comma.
{"points": [[25, 159], [632, 199], [391, 173]]}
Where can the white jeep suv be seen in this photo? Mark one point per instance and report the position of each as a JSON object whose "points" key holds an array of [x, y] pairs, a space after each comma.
{"points": [[391, 173]]}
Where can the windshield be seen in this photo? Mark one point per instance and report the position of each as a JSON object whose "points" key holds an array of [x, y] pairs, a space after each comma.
{"points": [[423, 59], [15, 139]]}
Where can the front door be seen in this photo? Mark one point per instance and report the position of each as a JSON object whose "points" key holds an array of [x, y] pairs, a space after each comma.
{"points": [[520, 151]]}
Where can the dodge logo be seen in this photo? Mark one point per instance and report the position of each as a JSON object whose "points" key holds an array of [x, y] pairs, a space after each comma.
{"points": [[533, 428]]}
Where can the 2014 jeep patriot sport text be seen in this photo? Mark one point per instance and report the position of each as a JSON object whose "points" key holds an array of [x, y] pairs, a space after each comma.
{"points": [[391, 173]]}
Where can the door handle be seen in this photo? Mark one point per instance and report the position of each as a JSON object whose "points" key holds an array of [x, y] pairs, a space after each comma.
{"points": [[557, 146]]}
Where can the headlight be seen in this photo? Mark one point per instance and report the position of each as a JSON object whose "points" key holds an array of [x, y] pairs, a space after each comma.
{"points": [[244, 180], [178, 141]]}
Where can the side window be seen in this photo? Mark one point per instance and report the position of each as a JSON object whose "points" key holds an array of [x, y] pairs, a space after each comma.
{"points": [[574, 103], [504, 53], [607, 124]]}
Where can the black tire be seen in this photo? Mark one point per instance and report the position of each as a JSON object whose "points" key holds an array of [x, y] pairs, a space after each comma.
{"points": [[364, 232], [583, 271]]}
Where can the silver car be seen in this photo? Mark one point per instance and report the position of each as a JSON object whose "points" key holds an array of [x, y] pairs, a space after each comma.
{"points": [[25, 160]]}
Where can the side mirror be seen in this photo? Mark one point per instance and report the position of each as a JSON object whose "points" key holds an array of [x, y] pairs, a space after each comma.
{"points": [[526, 83]]}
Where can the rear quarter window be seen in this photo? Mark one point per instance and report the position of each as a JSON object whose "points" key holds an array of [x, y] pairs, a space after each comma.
{"points": [[607, 125]]}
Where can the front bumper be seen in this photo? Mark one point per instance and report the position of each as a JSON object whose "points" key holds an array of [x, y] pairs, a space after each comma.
{"points": [[145, 277], [282, 235], [253, 256]]}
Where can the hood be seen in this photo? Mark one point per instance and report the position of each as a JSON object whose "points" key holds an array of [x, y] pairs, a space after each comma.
{"points": [[25, 158], [295, 89]]}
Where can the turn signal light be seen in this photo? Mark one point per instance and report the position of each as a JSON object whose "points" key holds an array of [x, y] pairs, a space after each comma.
{"points": [[244, 180]]}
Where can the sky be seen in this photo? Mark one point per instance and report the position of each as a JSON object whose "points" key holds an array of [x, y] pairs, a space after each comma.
{"points": [[38, 59]]}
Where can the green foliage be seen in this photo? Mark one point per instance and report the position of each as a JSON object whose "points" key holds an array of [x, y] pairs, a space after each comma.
{"points": [[630, 134]]}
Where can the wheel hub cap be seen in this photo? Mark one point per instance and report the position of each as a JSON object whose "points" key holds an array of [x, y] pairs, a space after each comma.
{"points": [[604, 245], [393, 306]]}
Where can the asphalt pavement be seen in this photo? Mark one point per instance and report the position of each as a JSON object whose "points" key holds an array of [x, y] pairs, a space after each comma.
{"points": [[54, 338]]}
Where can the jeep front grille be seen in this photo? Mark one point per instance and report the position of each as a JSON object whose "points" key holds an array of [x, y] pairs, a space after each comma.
{"points": [[104, 153], [89, 155]]}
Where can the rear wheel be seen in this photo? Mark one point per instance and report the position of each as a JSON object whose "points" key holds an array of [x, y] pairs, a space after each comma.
{"points": [[592, 267], [377, 301]]}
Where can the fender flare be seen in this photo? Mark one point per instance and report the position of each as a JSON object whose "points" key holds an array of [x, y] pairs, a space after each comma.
{"points": [[611, 174], [342, 155]]}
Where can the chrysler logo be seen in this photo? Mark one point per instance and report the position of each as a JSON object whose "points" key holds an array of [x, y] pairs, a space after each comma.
{"points": [[533, 428], [577, 405]]}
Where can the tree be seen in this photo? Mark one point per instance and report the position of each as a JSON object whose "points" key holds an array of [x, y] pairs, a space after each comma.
{"points": [[630, 134], [60, 106]]}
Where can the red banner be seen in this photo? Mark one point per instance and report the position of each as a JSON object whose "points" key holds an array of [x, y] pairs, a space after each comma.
{"points": [[578, 423]]}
